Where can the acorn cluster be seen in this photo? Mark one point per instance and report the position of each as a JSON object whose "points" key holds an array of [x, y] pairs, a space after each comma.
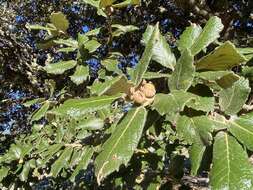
{"points": [[143, 93]]}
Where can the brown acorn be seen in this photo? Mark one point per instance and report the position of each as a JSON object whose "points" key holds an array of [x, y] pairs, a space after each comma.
{"points": [[149, 90]]}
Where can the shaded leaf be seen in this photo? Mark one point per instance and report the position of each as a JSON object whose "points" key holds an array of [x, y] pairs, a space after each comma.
{"points": [[83, 163], [110, 87], [225, 57]]}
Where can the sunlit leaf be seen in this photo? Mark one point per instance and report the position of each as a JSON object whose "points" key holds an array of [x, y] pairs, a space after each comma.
{"points": [[91, 124], [146, 57], [209, 34], [187, 39], [121, 30], [242, 129], [78, 107], [126, 3], [81, 74], [171, 104], [33, 101], [41, 112], [59, 20], [119, 148], [161, 52], [25, 172], [60, 67], [232, 99], [92, 45], [3, 172], [183, 75], [231, 169], [61, 161]]}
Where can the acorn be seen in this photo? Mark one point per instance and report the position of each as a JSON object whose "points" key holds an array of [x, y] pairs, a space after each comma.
{"points": [[149, 90], [138, 97]]}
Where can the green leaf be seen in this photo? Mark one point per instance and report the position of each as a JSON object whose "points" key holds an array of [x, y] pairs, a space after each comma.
{"points": [[200, 103], [217, 79], [23, 176], [92, 45], [68, 42], [60, 21], [119, 148], [41, 112], [33, 101], [106, 3], [232, 99], [196, 153], [188, 37], [95, 3], [121, 30], [60, 67], [83, 163], [225, 57], [209, 34], [185, 129], [246, 52], [39, 27], [161, 52], [91, 124], [61, 161], [231, 169], [171, 104], [79, 107], [195, 128], [146, 57], [81, 74], [15, 151], [111, 65], [183, 75], [126, 3], [112, 86], [242, 129], [3, 172]]}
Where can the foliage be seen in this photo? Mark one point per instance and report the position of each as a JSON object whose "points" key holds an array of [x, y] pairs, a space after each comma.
{"points": [[125, 125]]}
